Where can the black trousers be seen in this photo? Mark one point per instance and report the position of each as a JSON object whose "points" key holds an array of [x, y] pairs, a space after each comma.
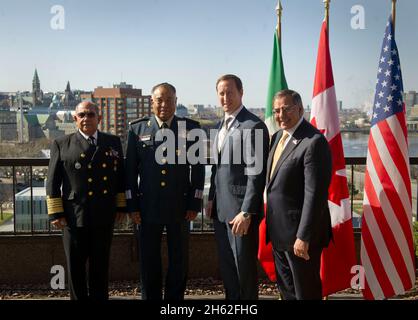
{"points": [[149, 236], [238, 261], [82, 246], [297, 278]]}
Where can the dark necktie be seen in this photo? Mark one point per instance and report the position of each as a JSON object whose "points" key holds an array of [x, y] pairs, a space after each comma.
{"points": [[164, 125], [91, 141]]}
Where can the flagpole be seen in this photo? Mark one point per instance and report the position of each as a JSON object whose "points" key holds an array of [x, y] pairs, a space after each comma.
{"points": [[327, 3], [393, 14], [279, 10]]}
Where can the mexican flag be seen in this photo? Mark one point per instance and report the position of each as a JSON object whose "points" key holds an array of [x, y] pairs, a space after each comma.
{"points": [[277, 82]]}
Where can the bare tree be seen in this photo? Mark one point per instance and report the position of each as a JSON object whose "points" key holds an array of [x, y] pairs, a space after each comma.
{"points": [[6, 196]]}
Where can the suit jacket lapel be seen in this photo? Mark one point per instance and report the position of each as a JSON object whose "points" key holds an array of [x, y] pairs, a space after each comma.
{"points": [[294, 141], [100, 138], [174, 126], [82, 142], [215, 141], [271, 154], [234, 125]]}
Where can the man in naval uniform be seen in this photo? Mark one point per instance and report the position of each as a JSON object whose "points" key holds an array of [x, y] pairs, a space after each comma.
{"points": [[85, 194], [169, 193]]}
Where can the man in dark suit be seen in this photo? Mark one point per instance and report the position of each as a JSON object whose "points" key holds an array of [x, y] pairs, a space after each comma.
{"points": [[85, 193], [236, 192], [298, 219], [169, 193]]}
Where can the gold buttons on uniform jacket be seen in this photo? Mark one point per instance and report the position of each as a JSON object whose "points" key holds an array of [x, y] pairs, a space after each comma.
{"points": [[163, 184], [82, 155], [89, 166], [104, 191], [104, 165], [164, 161], [163, 172], [90, 193], [90, 180], [104, 178]]}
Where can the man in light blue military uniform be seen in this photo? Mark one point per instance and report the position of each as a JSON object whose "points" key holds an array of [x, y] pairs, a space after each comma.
{"points": [[168, 194]]}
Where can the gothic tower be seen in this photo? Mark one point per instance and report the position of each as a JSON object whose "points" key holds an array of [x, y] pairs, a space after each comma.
{"points": [[69, 100], [37, 94]]}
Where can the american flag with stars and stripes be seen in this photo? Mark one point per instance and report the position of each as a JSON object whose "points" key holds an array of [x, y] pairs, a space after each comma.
{"points": [[387, 253]]}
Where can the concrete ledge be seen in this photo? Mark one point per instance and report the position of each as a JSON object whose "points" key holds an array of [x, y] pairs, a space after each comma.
{"points": [[28, 259]]}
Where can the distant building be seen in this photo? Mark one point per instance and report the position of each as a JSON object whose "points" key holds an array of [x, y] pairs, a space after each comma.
{"points": [[123, 85], [340, 105], [56, 103], [181, 111], [361, 122], [23, 220], [69, 100], [259, 112], [118, 106], [195, 109], [8, 126], [356, 220], [37, 94], [410, 99], [32, 125], [86, 96], [5, 101], [412, 125]]}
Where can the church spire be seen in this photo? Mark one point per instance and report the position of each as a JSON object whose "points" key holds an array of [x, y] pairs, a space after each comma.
{"points": [[36, 84], [37, 94]]}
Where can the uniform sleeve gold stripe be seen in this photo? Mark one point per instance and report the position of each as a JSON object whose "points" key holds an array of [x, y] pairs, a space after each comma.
{"points": [[54, 205], [58, 200], [121, 200], [121, 203]]}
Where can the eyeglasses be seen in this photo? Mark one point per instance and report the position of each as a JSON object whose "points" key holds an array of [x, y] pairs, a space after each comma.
{"points": [[167, 100], [81, 115], [284, 109]]}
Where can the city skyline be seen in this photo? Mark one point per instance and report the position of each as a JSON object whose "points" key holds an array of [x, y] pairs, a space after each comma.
{"points": [[190, 44]]}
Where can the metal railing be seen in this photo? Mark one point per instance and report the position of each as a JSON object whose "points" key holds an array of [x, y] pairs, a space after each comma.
{"points": [[10, 167]]}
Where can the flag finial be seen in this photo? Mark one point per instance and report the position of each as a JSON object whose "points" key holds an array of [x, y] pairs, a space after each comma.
{"points": [[327, 4], [279, 10], [393, 14]]}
